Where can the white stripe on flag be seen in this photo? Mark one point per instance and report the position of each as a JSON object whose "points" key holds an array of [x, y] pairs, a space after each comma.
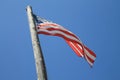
{"points": [[76, 48], [91, 64], [89, 55], [58, 32]]}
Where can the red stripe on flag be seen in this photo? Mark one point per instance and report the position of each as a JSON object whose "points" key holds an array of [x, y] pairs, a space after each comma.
{"points": [[57, 28], [90, 59], [75, 48], [57, 34], [90, 51], [89, 56]]}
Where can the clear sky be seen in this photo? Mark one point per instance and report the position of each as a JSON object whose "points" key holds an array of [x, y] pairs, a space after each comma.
{"points": [[95, 22]]}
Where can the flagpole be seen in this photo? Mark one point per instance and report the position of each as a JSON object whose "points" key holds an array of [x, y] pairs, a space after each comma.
{"points": [[39, 60]]}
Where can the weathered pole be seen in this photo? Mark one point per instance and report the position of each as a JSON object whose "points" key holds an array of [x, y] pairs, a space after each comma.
{"points": [[39, 60]]}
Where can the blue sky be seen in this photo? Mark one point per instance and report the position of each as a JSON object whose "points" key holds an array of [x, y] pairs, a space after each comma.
{"points": [[95, 22]]}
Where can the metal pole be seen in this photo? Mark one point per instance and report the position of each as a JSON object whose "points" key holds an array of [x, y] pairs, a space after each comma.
{"points": [[39, 61]]}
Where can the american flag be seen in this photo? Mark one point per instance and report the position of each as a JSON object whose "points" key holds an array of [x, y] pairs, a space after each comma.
{"points": [[49, 28]]}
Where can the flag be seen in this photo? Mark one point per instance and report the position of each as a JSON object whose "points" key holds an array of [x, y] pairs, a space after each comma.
{"points": [[49, 28]]}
